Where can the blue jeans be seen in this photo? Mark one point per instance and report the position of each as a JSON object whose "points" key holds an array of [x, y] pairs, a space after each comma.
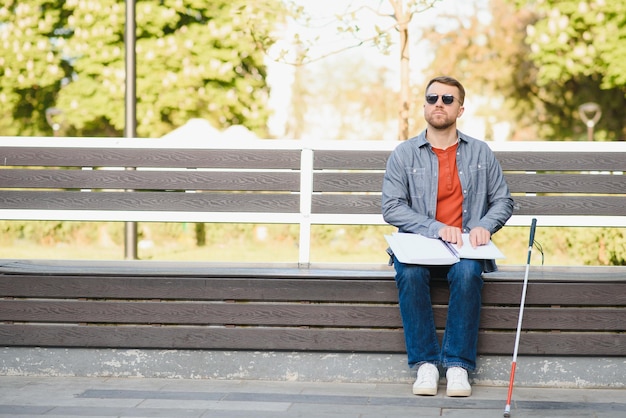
{"points": [[460, 338]]}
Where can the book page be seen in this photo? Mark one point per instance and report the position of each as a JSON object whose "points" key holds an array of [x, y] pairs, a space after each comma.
{"points": [[488, 251], [418, 249]]}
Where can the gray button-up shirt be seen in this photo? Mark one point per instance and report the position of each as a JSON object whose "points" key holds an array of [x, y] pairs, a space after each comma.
{"points": [[409, 194]]}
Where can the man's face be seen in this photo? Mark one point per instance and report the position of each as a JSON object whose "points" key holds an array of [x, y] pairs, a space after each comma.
{"points": [[440, 115]]}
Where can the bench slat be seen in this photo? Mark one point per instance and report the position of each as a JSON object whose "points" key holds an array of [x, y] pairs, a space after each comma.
{"points": [[311, 290], [524, 205], [301, 339], [150, 180], [294, 314], [570, 205], [198, 313], [553, 343], [355, 160], [150, 201], [561, 161], [566, 183], [346, 204], [268, 289], [150, 157], [509, 160], [348, 182]]}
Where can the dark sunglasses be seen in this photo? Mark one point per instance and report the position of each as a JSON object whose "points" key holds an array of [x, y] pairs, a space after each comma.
{"points": [[446, 98]]}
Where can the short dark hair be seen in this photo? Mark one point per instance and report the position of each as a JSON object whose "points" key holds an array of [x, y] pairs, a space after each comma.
{"points": [[449, 81]]}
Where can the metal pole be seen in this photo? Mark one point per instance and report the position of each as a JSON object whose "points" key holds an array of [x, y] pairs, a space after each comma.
{"points": [[590, 113], [130, 127]]}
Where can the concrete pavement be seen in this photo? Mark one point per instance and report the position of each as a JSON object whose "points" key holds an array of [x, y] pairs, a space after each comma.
{"points": [[72, 397]]}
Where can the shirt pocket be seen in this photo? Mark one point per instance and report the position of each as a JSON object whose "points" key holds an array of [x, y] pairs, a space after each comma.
{"points": [[478, 178], [417, 181]]}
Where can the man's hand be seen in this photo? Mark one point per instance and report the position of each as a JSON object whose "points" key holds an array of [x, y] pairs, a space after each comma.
{"points": [[479, 236], [451, 234]]}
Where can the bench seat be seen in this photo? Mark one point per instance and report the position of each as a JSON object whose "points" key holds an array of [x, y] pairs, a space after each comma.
{"points": [[264, 307]]}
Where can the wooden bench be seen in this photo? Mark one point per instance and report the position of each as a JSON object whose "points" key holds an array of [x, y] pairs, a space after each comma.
{"points": [[293, 306]]}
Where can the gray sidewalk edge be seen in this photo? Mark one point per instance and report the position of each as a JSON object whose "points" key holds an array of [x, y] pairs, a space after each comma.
{"points": [[531, 371]]}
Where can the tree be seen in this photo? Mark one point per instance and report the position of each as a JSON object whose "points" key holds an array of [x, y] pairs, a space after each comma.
{"points": [[31, 65], [529, 82], [581, 46], [486, 50], [193, 60], [402, 14]]}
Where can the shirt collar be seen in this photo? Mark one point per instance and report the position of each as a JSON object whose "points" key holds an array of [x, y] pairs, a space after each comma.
{"points": [[421, 138]]}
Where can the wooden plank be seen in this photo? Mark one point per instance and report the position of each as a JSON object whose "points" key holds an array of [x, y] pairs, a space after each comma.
{"points": [[151, 157], [195, 270], [566, 183], [212, 270], [295, 314], [355, 160], [198, 337], [555, 318], [559, 274], [561, 161], [201, 313], [582, 183], [570, 205], [346, 203], [150, 180], [290, 289], [509, 160], [348, 182], [549, 294], [300, 339], [151, 201], [265, 289], [552, 343], [523, 205]]}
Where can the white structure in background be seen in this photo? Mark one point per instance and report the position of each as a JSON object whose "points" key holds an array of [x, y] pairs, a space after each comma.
{"points": [[199, 130]]}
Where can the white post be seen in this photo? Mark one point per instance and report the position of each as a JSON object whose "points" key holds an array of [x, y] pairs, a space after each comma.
{"points": [[306, 195]]}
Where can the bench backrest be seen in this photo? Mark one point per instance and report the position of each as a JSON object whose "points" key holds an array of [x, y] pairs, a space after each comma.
{"points": [[564, 188], [305, 183]]}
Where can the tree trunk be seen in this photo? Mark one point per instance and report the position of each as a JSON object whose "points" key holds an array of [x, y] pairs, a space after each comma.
{"points": [[403, 17]]}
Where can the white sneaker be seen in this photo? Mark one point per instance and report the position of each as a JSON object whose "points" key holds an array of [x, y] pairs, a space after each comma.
{"points": [[458, 384], [427, 380]]}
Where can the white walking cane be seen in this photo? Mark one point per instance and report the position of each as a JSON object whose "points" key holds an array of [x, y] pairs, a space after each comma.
{"points": [[507, 408]]}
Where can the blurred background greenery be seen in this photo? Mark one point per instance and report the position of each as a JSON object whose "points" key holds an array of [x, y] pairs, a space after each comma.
{"points": [[527, 66], [279, 243]]}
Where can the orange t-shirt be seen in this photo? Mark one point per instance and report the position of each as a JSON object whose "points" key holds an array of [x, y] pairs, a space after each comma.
{"points": [[449, 193]]}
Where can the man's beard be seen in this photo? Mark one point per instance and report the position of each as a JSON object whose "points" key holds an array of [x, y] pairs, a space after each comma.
{"points": [[440, 124]]}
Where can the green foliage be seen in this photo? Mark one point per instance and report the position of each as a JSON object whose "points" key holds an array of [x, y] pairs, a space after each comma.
{"points": [[193, 59], [579, 49], [31, 67], [274, 242], [565, 245], [51, 233], [580, 38], [538, 62], [603, 247]]}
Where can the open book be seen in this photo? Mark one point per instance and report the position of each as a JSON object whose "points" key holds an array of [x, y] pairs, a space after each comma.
{"points": [[418, 249]]}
